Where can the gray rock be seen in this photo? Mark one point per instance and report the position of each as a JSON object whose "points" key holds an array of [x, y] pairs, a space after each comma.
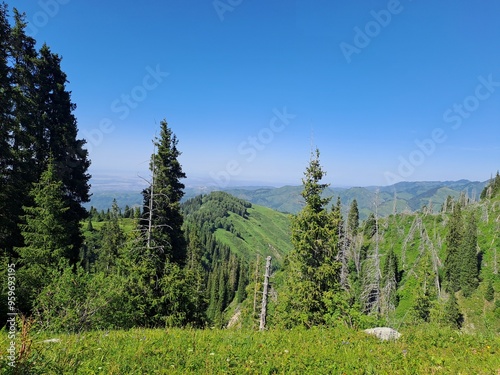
{"points": [[51, 340], [384, 333]]}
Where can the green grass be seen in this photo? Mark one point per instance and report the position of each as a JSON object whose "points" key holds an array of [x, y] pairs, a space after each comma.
{"points": [[263, 227], [420, 350]]}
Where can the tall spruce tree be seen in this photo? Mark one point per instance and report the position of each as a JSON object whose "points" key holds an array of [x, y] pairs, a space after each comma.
{"points": [[452, 315], [112, 240], [42, 123], [469, 268], [164, 195], [6, 107], [353, 219], [453, 263], [164, 253], [48, 243], [390, 279], [314, 272]]}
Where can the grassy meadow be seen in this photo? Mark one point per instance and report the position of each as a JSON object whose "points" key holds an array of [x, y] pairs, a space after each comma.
{"points": [[420, 350]]}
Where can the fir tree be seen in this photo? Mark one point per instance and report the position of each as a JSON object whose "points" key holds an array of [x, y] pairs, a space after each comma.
{"points": [[453, 263], [452, 315], [48, 244], [41, 123], [166, 237], [112, 240], [6, 108], [353, 219], [489, 295], [314, 273], [469, 270], [390, 279]]}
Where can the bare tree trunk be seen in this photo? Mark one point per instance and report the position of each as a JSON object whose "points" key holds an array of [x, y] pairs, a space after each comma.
{"points": [[263, 312], [256, 280]]}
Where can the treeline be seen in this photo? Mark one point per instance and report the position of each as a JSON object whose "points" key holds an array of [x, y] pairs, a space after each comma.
{"points": [[127, 213]]}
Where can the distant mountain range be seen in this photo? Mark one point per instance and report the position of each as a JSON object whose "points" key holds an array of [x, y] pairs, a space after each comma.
{"points": [[400, 197]]}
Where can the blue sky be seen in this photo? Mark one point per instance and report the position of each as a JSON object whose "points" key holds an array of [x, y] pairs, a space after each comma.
{"points": [[387, 90]]}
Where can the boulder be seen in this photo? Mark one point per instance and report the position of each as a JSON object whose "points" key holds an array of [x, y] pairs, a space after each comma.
{"points": [[384, 333]]}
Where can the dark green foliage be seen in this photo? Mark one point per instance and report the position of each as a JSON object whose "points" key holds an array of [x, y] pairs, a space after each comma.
{"points": [[313, 271], [37, 121], [489, 295], [453, 262], [452, 315], [370, 226], [353, 219], [469, 271], [166, 238], [48, 243], [112, 240], [390, 280], [421, 309], [461, 264]]}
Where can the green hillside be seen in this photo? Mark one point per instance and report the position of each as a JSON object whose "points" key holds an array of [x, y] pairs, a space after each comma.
{"points": [[419, 242], [397, 198], [264, 231]]}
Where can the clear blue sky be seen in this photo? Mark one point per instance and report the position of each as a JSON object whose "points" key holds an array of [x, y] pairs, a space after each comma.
{"points": [[387, 90]]}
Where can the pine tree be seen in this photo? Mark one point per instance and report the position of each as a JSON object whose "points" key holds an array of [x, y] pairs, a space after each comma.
{"points": [[313, 274], [163, 252], [42, 124], [453, 263], [48, 243], [167, 237], [6, 108], [421, 309], [20, 127], [452, 315], [112, 240], [489, 295], [353, 219], [469, 270], [390, 275]]}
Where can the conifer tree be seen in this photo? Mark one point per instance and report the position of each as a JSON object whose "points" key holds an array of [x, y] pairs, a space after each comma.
{"points": [[452, 315], [42, 123], [167, 237], [48, 243], [453, 263], [112, 240], [489, 295], [390, 275], [353, 219], [163, 254], [469, 270], [314, 273], [6, 107]]}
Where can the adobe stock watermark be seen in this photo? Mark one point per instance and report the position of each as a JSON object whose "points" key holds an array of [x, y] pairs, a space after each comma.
{"points": [[123, 105], [363, 36], [223, 6], [48, 10], [455, 115], [253, 145], [11, 315]]}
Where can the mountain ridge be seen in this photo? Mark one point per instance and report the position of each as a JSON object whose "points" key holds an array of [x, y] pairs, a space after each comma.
{"points": [[400, 197]]}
